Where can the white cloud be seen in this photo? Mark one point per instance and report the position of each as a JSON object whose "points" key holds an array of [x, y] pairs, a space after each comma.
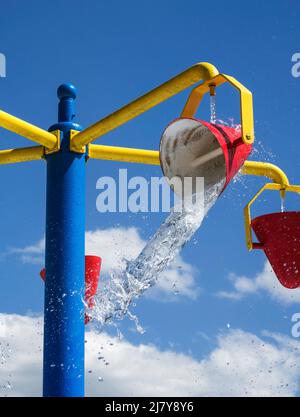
{"points": [[241, 364], [118, 244], [115, 245], [32, 254], [264, 281]]}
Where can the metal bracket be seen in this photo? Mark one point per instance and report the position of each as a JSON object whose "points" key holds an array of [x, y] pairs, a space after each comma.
{"points": [[48, 151], [73, 146], [246, 105]]}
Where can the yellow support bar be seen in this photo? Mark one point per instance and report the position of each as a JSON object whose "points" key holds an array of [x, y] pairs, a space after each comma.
{"points": [[198, 72], [11, 156], [114, 153], [265, 169], [246, 105], [143, 156], [29, 131]]}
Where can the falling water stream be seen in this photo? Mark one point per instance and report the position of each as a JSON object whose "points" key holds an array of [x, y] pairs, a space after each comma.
{"points": [[114, 297], [282, 203], [213, 109]]}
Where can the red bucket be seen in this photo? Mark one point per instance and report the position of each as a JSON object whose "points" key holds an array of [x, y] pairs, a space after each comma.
{"points": [[234, 149], [279, 237], [92, 273], [193, 148]]}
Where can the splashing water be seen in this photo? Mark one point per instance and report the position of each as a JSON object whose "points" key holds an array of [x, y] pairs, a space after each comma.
{"points": [[213, 109], [230, 122], [282, 203], [114, 297]]}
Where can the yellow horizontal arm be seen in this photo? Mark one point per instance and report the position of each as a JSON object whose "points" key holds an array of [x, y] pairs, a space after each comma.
{"points": [[265, 169], [151, 157], [29, 131], [115, 153], [11, 156], [200, 71]]}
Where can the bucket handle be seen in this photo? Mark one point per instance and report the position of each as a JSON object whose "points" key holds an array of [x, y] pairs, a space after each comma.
{"points": [[246, 105], [247, 214]]}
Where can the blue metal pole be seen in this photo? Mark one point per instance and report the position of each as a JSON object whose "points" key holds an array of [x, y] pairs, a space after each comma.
{"points": [[63, 374]]}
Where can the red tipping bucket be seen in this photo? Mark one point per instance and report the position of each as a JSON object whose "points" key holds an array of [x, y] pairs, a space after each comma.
{"points": [[234, 149], [193, 148], [92, 272], [279, 237]]}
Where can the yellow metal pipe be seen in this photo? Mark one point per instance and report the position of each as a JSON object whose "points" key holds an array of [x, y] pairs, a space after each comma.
{"points": [[265, 169], [29, 131], [198, 72], [143, 156], [115, 153], [11, 156]]}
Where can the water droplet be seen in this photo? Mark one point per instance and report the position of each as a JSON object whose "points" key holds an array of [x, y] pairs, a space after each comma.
{"points": [[213, 114], [282, 204], [9, 385]]}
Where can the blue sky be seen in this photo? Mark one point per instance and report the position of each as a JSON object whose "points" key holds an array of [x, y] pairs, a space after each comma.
{"points": [[113, 52]]}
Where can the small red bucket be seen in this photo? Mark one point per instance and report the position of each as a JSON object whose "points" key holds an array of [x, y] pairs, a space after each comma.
{"points": [[92, 273], [279, 237]]}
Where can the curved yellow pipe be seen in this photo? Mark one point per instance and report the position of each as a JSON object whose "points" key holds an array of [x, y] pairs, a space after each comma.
{"points": [[201, 71], [265, 169]]}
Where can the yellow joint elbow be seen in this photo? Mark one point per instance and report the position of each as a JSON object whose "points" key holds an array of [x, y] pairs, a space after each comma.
{"points": [[206, 70], [268, 170], [200, 71]]}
